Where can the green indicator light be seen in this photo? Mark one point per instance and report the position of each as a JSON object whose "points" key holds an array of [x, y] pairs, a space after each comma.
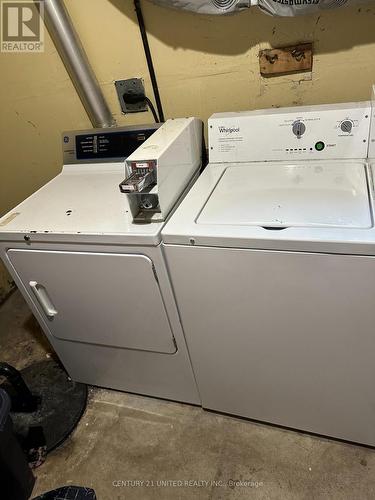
{"points": [[319, 146]]}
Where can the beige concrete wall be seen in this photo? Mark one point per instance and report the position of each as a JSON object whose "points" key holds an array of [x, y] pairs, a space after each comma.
{"points": [[204, 64]]}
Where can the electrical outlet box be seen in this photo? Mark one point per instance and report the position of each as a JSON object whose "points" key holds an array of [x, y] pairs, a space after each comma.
{"points": [[131, 86]]}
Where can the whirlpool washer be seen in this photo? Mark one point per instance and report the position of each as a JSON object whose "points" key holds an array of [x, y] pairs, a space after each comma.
{"points": [[272, 261]]}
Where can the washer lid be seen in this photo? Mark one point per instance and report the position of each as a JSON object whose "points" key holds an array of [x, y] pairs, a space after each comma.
{"points": [[287, 195]]}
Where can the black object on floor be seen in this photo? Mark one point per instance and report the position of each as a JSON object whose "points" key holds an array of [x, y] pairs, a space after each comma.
{"points": [[23, 399], [61, 403], [69, 493], [16, 479], [36, 446]]}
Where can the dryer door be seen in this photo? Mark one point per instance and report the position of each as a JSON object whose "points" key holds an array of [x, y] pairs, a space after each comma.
{"points": [[98, 298]]}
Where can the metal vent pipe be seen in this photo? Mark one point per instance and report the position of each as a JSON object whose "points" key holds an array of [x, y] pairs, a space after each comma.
{"points": [[68, 45]]}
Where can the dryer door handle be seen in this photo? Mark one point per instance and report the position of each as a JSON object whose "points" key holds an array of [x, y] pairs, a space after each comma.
{"points": [[43, 299]]}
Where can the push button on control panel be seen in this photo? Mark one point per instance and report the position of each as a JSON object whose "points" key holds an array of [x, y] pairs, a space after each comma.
{"points": [[319, 146]]}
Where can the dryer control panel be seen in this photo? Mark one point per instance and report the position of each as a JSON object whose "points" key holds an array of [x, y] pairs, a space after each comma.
{"points": [[104, 145], [327, 131]]}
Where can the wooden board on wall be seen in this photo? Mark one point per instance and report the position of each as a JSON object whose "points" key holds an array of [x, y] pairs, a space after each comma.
{"points": [[286, 60]]}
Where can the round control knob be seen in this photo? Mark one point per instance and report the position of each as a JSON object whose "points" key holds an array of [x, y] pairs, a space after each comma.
{"points": [[346, 126], [299, 128]]}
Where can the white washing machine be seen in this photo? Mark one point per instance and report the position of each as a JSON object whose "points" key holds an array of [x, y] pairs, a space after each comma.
{"points": [[272, 262], [95, 280]]}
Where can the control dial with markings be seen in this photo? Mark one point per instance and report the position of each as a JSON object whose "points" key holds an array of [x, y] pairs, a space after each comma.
{"points": [[346, 126], [298, 128]]}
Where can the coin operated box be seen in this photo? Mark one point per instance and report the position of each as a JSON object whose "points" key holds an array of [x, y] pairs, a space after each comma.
{"points": [[161, 169]]}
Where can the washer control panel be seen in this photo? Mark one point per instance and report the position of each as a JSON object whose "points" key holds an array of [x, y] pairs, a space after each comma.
{"points": [[310, 132]]}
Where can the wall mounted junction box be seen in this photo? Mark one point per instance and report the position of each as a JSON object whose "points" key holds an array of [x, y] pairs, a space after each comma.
{"points": [[131, 86]]}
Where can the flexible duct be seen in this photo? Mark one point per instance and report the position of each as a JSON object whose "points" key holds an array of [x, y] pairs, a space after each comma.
{"points": [[68, 45], [272, 7]]}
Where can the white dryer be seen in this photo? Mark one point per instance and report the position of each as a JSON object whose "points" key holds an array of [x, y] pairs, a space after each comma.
{"points": [[95, 280], [272, 262]]}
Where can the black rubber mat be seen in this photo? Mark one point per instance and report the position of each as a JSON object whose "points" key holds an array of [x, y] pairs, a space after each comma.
{"points": [[69, 493], [62, 403]]}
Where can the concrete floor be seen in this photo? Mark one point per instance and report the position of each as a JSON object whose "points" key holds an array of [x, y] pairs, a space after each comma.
{"points": [[123, 438]]}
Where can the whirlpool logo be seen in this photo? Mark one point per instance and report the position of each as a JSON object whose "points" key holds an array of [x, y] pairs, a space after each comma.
{"points": [[228, 130]]}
